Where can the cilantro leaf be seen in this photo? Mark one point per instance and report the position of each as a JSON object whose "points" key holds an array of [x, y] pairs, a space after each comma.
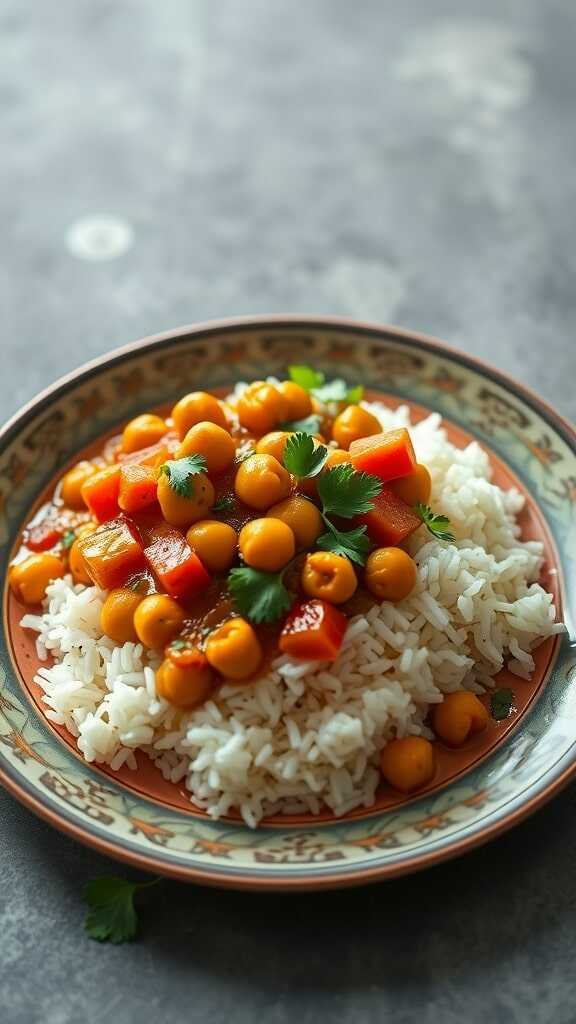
{"points": [[181, 471], [333, 391], [315, 382], [347, 493], [355, 395], [111, 915], [302, 457], [68, 538], [352, 544], [437, 525], [338, 391], [260, 596], [306, 377], [224, 504], [309, 425], [501, 703]]}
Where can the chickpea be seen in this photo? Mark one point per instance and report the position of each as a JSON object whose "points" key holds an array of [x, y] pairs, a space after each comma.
{"points": [[211, 441], [302, 517], [214, 542], [117, 615], [337, 457], [185, 687], [390, 574], [352, 424], [328, 576], [298, 401], [459, 716], [30, 577], [157, 620], [261, 407], [408, 763], [414, 488], [234, 650], [181, 511], [273, 444], [197, 407], [261, 481], [76, 561], [266, 544], [142, 432], [72, 484]]}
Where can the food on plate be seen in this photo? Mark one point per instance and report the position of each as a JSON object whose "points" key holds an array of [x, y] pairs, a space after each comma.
{"points": [[286, 598]]}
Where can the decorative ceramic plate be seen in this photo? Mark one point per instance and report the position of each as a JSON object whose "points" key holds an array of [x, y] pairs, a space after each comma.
{"points": [[138, 818]]}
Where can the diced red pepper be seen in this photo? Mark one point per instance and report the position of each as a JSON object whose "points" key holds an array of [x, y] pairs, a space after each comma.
{"points": [[175, 565], [43, 536], [138, 487], [313, 631], [100, 492], [112, 553], [388, 455], [390, 521]]}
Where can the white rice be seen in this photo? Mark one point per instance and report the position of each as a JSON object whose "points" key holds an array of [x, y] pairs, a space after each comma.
{"points": [[308, 735]]}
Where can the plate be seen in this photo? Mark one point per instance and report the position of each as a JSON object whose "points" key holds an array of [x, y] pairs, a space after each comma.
{"points": [[138, 820]]}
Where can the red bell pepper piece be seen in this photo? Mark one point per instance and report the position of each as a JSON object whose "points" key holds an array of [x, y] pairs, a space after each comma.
{"points": [[138, 487], [112, 553], [388, 455], [313, 631], [390, 521], [175, 565], [43, 536], [100, 492]]}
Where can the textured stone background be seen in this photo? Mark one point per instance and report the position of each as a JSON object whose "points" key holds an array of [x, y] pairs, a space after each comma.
{"points": [[169, 162]]}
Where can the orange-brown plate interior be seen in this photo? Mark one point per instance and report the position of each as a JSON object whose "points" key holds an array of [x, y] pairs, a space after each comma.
{"points": [[148, 781]]}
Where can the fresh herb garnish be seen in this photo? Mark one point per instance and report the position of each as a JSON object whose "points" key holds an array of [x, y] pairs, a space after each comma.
{"points": [[302, 457], [180, 473], [68, 538], [501, 703], [309, 425], [260, 596], [224, 504], [315, 382], [345, 492], [111, 915], [439, 526], [306, 377], [352, 544]]}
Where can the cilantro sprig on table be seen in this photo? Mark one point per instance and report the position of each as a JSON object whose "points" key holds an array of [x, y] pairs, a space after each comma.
{"points": [[111, 913], [315, 382], [181, 473]]}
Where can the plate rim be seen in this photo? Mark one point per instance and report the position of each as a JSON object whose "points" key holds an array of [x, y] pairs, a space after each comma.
{"points": [[206, 874]]}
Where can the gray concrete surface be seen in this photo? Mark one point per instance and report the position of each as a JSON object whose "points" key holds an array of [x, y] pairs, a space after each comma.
{"points": [[406, 161]]}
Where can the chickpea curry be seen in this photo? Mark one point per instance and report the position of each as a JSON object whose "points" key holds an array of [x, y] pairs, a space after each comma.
{"points": [[231, 531]]}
